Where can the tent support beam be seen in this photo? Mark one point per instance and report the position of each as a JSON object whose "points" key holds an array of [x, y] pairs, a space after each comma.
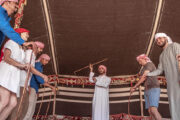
{"points": [[49, 26], [156, 24]]}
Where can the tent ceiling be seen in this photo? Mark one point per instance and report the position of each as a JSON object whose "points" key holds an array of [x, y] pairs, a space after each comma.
{"points": [[86, 31]]}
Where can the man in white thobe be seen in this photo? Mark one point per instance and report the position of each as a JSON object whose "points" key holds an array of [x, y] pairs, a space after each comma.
{"points": [[168, 62], [35, 50], [100, 107]]}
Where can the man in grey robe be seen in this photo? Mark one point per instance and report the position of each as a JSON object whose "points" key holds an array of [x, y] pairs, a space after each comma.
{"points": [[168, 63]]}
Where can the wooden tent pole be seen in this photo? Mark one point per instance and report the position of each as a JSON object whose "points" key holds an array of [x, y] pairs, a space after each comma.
{"points": [[50, 31], [141, 100], [47, 110], [37, 116], [25, 87], [155, 25]]}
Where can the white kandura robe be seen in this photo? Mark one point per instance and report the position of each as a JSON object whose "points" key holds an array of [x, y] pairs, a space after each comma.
{"points": [[9, 74], [26, 61], [100, 106], [169, 64]]}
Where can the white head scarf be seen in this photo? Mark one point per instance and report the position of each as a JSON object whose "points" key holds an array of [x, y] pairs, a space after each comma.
{"points": [[163, 35]]}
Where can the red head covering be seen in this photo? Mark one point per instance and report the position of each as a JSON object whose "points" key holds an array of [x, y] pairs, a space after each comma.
{"points": [[103, 67], [21, 30]]}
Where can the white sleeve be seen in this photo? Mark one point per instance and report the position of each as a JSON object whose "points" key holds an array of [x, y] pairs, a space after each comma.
{"points": [[30, 76], [91, 77], [27, 56], [104, 83], [158, 71], [176, 48], [10, 45]]}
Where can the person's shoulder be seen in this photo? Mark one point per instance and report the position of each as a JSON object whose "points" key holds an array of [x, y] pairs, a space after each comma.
{"points": [[11, 43], [148, 66], [160, 56], [1, 9], [2, 12], [150, 63], [38, 63], [38, 66], [108, 77], [174, 44]]}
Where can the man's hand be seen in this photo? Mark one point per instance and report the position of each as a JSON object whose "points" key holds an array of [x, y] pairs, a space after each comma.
{"points": [[35, 48], [28, 43], [46, 79], [178, 57], [145, 73], [94, 80], [23, 66], [54, 90], [132, 90], [91, 67], [37, 95]]}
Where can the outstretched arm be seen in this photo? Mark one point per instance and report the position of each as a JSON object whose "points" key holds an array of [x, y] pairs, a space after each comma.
{"points": [[91, 75], [50, 86], [7, 30], [159, 70], [142, 79], [39, 74], [156, 72], [9, 60]]}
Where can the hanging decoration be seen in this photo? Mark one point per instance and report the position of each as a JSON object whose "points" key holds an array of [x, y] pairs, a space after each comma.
{"points": [[19, 14], [85, 80], [121, 116]]}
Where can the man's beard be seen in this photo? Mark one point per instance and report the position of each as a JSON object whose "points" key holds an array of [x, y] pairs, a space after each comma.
{"points": [[163, 44], [39, 52], [101, 73], [14, 13]]}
